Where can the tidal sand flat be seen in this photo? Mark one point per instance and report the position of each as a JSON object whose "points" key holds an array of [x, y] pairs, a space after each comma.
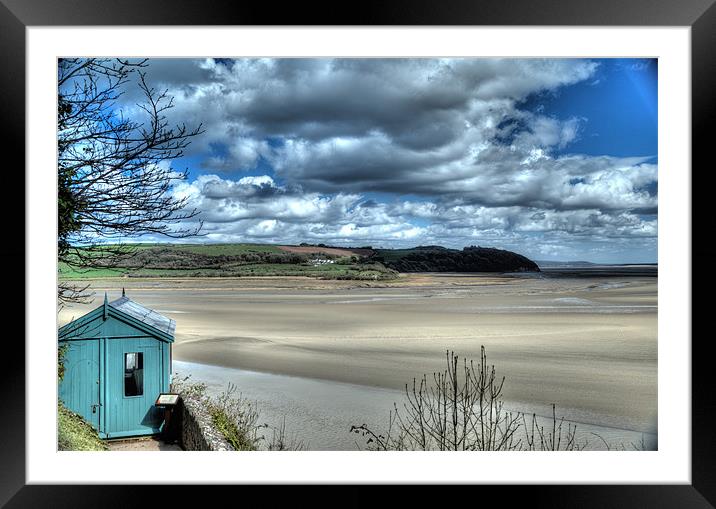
{"points": [[586, 344]]}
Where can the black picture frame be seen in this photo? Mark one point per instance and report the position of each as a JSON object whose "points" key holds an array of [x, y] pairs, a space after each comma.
{"points": [[700, 15]]}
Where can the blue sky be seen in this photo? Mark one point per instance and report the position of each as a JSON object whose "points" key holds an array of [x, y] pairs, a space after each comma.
{"points": [[552, 158], [619, 108]]}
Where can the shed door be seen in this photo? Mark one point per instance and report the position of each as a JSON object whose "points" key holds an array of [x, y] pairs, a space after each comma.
{"points": [[134, 371], [80, 386]]}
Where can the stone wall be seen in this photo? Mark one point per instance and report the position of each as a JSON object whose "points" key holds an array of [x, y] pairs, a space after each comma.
{"points": [[197, 429]]}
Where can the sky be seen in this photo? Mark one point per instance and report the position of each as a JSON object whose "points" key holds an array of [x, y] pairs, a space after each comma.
{"points": [[555, 159]]}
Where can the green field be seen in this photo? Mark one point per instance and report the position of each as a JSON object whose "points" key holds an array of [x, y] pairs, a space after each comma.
{"points": [[229, 260], [66, 272]]}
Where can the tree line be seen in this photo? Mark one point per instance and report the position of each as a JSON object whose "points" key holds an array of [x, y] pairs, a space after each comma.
{"points": [[469, 259]]}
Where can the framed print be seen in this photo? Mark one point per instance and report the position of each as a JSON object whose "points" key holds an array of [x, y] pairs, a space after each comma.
{"points": [[319, 215]]}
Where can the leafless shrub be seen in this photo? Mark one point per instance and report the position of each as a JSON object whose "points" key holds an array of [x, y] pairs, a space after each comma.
{"points": [[462, 409], [555, 438], [640, 445], [281, 441], [113, 180]]}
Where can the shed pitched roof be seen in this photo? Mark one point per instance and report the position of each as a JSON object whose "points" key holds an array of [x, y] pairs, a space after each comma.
{"points": [[144, 315]]}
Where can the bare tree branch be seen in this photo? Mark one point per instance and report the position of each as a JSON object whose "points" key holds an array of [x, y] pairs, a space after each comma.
{"points": [[462, 410], [115, 180]]}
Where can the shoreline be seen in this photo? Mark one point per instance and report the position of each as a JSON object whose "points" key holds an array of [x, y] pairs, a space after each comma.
{"points": [[303, 402], [588, 344], [512, 406]]}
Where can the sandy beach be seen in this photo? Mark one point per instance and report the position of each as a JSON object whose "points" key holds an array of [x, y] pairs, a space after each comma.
{"points": [[589, 345]]}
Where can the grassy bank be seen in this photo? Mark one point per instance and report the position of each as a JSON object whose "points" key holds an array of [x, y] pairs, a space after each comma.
{"points": [[76, 434], [232, 260]]}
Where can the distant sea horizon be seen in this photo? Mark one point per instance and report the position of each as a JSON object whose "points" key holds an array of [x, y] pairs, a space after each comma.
{"points": [[579, 263]]}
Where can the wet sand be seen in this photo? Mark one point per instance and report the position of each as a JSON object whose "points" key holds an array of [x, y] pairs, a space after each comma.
{"points": [[589, 345]]}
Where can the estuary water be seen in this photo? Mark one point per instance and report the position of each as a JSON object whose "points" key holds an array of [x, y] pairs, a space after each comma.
{"points": [[319, 413]]}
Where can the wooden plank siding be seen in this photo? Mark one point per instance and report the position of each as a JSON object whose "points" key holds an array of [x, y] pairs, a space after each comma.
{"points": [[94, 381]]}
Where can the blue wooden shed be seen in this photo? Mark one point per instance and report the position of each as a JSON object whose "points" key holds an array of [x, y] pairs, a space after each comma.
{"points": [[117, 361]]}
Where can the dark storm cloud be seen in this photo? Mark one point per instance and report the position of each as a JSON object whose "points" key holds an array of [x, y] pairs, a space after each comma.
{"points": [[322, 99], [417, 103]]}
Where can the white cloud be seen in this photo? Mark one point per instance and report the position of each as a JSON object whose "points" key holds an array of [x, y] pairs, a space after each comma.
{"points": [[233, 210], [453, 132], [257, 181]]}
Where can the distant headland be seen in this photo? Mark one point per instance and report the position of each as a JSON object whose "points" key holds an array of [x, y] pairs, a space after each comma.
{"points": [[441, 259], [314, 260]]}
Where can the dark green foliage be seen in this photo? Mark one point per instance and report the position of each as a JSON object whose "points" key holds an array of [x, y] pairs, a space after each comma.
{"points": [[61, 351], [440, 259], [68, 206], [170, 258]]}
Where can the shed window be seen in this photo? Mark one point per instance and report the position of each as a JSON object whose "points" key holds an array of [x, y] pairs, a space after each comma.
{"points": [[133, 374]]}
